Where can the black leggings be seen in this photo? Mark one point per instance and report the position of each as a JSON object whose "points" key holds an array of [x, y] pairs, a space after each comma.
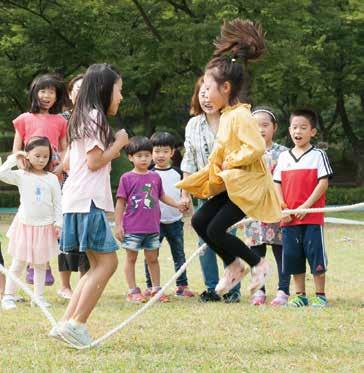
{"points": [[211, 222], [283, 279]]}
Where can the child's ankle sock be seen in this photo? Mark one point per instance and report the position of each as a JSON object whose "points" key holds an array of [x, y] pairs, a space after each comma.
{"points": [[321, 295], [75, 323]]}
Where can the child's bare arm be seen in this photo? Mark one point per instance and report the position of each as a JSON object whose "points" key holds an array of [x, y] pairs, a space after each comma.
{"points": [[320, 189], [97, 158], [119, 214], [180, 205], [279, 192]]}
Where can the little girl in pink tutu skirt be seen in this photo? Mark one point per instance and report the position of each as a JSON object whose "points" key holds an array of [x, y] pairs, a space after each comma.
{"points": [[34, 231]]}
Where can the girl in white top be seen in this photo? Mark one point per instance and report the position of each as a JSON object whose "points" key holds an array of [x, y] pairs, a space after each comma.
{"points": [[87, 195], [34, 231]]}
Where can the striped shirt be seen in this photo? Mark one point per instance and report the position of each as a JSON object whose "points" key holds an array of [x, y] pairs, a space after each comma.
{"points": [[199, 142]]}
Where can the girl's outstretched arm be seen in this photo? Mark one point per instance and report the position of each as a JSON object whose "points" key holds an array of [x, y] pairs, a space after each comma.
{"points": [[7, 175], [98, 158]]}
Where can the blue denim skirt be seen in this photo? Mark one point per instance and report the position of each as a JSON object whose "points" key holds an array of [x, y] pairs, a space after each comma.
{"points": [[90, 230]]}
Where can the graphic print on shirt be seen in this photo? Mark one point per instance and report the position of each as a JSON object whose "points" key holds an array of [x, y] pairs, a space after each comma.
{"points": [[146, 197], [38, 193]]}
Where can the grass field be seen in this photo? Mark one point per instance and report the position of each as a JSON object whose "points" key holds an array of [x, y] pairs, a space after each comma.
{"points": [[187, 336]]}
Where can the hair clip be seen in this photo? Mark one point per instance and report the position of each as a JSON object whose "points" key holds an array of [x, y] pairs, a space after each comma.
{"points": [[233, 60]]}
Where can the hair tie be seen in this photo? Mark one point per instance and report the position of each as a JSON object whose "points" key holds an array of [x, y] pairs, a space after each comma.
{"points": [[265, 111]]}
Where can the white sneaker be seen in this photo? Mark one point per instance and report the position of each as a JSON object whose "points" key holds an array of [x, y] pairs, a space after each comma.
{"points": [[75, 335], [259, 275], [42, 302], [8, 302], [233, 274], [55, 333]]}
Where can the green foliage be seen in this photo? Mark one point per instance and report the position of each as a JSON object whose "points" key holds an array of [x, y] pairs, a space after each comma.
{"points": [[9, 198], [344, 196]]}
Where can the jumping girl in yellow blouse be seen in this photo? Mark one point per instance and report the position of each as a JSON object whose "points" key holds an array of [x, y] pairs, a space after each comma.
{"points": [[236, 179]]}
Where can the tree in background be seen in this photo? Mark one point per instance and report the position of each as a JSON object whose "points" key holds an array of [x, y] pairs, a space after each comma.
{"points": [[314, 57]]}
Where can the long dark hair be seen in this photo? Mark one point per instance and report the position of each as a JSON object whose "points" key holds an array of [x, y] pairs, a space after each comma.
{"points": [[35, 141], [240, 41], [47, 81], [95, 94]]}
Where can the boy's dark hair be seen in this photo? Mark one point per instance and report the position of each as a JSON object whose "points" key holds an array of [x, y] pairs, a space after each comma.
{"points": [[35, 141], [95, 94], [163, 139], [47, 81], [138, 144], [309, 114]]}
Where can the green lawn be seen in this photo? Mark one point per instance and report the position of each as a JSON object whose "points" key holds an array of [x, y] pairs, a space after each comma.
{"points": [[186, 336]]}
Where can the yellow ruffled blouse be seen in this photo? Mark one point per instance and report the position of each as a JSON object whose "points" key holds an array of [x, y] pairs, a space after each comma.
{"points": [[246, 178]]}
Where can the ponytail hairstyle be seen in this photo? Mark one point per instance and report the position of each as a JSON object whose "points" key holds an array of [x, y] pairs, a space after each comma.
{"points": [[95, 94], [47, 81], [240, 41]]}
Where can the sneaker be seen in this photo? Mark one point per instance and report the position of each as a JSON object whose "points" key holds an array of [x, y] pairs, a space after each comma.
{"points": [[319, 301], [259, 275], [75, 335], [163, 298], [29, 278], [298, 301], [233, 274], [232, 297], [147, 292], [281, 299], [184, 291], [135, 296], [65, 293], [258, 298], [49, 279], [209, 295], [8, 302], [42, 301], [55, 331]]}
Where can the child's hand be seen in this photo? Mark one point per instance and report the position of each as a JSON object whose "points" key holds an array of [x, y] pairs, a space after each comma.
{"points": [[286, 219], [224, 165], [301, 215], [119, 232], [22, 160], [182, 206], [121, 138], [187, 202], [58, 169], [57, 231]]}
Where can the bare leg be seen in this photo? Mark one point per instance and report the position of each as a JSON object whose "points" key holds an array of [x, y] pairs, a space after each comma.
{"points": [[2, 285], [319, 280], [299, 282], [151, 257], [65, 277], [91, 286], [129, 268]]}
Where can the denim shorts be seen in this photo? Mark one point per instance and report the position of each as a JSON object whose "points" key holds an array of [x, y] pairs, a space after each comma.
{"points": [[141, 241], [84, 231]]}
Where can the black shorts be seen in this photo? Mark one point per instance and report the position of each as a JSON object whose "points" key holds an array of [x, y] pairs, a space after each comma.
{"points": [[71, 262], [301, 242]]}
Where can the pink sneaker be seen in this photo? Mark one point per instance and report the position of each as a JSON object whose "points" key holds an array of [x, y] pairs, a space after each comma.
{"points": [[135, 296], [258, 298], [259, 275], [233, 274], [163, 298], [147, 292], [184, 291], [281, 299]]}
